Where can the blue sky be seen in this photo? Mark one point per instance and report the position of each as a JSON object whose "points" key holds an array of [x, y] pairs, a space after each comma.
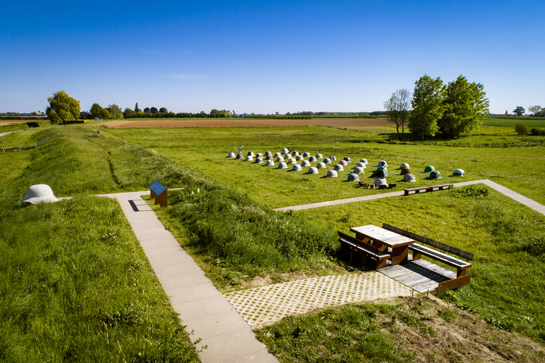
{"points": [[264, 56]]}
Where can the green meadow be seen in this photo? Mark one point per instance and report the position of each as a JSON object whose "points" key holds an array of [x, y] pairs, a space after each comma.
{"points": [[205, 150], [76, 273]]}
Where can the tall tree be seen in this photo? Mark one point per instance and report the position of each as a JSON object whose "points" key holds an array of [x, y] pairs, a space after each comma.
{"points": [[465, 107], [97, 110], [128, 113], [62, 108], [534, 109], [136, 109], [427, 103], [163, 110], [519, 111], [115, 112], [398, 106]]}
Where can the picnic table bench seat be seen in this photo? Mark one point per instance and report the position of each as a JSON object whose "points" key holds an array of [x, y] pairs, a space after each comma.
{"points": [[428, 188], [419, 250], [365, 249]]}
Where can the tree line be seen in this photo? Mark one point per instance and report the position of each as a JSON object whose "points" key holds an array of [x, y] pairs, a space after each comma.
{"points": [[438, 109]]}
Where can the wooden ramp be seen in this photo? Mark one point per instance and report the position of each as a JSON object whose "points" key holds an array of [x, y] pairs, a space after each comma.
{"points": [[420, 275]]}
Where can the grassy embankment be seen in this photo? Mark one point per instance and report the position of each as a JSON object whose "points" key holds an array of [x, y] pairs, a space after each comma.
{"points": [[23, 126], [517, 168], [75, 284]]}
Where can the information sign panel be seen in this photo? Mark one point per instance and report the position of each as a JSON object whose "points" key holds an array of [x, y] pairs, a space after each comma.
{"points": [[158, 191], [157, 187]]}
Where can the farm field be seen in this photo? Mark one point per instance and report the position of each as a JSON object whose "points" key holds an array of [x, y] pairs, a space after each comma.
{"points": [[206, 150], [241, 122]]}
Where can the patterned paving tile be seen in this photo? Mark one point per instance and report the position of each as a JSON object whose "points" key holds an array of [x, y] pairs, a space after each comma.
{"points": [[267, 304]]}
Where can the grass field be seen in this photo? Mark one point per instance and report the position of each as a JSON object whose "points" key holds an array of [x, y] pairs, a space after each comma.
{"points": [[222, 218], [505, 237], [512, 121], [75, 284], [518, 168]]}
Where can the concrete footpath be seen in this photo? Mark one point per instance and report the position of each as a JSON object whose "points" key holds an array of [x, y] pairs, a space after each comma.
{"points": [[202, 308], [505, 191]]}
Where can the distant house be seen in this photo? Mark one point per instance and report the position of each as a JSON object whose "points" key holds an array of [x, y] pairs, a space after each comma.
{"points": [[84, 115]]}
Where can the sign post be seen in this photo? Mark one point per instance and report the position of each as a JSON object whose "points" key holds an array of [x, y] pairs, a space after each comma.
{"points": [[159, 192]]}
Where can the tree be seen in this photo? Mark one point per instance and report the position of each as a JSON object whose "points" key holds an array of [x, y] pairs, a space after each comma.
{"points": [[535, 109], [106, 114], [128, 113], [163, 110], [398, 109], [465, 106], [62, 108], [97, 111], [146, 110], [136, 109], [154, 110], [427, 103], [115, 112], [519, 111]]}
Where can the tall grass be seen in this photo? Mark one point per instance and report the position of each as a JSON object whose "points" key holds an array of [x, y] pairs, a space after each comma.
{"points": [[229, 227], [75, 285]]}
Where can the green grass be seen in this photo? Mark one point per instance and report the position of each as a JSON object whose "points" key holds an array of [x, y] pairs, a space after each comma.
{"points": [[75, 284], [204, 149], [419, 329], [507, 239], [349, 334], [512, 121], [235, 240], [23, 126]]}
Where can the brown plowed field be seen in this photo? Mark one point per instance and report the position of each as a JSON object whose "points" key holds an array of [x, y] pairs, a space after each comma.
{"points": [[240, 122]]}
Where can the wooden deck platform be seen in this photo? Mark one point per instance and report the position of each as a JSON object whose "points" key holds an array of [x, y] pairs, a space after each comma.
{"points": [[420, 275]]}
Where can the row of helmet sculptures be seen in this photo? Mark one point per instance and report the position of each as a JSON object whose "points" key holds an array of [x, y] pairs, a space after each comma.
{"points": [[286, 158]]}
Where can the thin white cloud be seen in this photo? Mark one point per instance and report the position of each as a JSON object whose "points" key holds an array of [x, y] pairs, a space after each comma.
{"points": [[185, 76]]}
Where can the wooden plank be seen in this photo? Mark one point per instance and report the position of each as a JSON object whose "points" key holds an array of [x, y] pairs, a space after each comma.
{"points": [[446, 259], [359, 243], [430, 242], [382, 235], [454, 283]]}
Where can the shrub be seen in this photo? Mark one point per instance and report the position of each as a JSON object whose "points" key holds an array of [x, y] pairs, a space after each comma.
{"points": [[521, 129], [537, 131]]}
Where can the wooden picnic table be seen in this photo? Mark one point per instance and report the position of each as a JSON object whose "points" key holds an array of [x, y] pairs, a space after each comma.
{"points": [[383, 238]]}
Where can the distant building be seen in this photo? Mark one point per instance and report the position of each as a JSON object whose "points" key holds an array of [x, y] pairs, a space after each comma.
{"points": [[84, 115]]}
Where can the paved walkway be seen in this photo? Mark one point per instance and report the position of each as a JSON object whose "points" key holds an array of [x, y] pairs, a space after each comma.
{"points": [[267, 304], [505, 191], [201, 306]]}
